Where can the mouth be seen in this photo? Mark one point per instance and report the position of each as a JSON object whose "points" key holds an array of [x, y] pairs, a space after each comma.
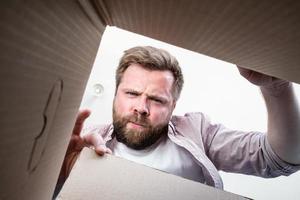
{"points": [[136, 124]]}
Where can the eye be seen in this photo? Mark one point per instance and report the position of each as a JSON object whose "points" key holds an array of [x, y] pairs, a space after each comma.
{"points": [[132, 93], [157, 100]]}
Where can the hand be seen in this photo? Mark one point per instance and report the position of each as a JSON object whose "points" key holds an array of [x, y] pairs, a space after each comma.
{"points": [[93, 140], [269, 83], [77, 143]]}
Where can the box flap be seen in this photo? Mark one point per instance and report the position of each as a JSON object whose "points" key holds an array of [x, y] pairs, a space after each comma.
{"points": [[114, 178], [260, 35], [47, 50]]}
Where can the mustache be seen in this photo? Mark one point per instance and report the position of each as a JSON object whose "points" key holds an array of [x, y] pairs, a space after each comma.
{"points": [[137, 119]]}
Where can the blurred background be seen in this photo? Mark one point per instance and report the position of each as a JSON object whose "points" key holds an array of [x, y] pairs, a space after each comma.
{"points": [[211, 86]]}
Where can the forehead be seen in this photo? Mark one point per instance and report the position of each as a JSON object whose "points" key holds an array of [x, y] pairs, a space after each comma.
{"points": [[139, 77]]}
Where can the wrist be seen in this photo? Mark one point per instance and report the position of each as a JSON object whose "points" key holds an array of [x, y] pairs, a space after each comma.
{"points": [[68, 164]]}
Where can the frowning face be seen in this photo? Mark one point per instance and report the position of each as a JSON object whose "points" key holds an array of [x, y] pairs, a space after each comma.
{"points": [[142, 106]]}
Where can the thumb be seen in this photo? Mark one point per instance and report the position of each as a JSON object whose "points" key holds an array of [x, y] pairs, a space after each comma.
{"points": [[96, 142]]}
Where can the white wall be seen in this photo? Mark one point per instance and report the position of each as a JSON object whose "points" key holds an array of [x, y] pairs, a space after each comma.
{"points": [[211, 86]]}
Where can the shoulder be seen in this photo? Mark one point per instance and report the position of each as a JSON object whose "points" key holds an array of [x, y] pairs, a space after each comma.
{"points": [[191, 118], [192, 125], [193, 122]]}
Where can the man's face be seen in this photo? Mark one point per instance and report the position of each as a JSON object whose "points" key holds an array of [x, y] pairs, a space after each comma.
{"points": [[142, 106]]}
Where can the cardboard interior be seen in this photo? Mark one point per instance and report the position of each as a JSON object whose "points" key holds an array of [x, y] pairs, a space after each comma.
{"points": [[260, 35], [114, 178], [48, 48], [47, 51]]}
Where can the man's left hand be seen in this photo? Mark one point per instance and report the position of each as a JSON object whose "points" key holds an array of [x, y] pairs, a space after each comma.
{"points": [[270, 83]]}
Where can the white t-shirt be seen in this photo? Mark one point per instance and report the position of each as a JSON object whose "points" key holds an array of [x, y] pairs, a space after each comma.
{"points": [[164, 155]]}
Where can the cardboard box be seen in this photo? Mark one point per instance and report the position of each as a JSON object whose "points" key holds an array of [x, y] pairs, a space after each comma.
{"points": [[47, 49], [113, 178]]}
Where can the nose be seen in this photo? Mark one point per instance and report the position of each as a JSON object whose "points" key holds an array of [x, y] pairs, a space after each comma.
{"points": [[142, 107]]}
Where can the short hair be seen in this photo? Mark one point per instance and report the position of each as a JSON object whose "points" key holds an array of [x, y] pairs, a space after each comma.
{"points": [[153, 59]]}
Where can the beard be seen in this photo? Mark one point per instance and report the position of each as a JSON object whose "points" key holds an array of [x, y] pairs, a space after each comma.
{"points": [[137, 139]]}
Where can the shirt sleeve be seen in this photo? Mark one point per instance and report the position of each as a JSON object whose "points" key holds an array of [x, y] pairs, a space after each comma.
{"points": [[242, 152]]}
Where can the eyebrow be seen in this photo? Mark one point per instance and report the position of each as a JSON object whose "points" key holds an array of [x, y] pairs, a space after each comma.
{"points": [[151, 96], [161, 98]]}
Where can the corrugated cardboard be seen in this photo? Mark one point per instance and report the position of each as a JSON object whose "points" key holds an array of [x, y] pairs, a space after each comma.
{"points": [[260, 35], [47, 49], [113, 178]]}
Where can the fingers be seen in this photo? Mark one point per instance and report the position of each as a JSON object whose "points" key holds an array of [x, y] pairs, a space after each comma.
{"points": [[244, 72], [81, 117], [254, 77], [97, 143], [101, 150], [90, 140]]}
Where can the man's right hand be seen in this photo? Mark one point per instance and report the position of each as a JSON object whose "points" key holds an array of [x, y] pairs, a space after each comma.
{"points": [[77, 143]]}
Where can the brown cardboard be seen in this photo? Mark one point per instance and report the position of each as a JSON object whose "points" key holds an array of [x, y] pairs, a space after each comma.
{"points": [[260, 35], [114, 178], [47, 49]]}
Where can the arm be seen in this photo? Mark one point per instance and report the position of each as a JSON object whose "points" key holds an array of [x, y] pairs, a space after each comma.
{"points": [[283, 114]]}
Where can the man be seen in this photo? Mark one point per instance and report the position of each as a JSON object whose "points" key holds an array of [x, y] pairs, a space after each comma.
{"points": [[148, 84]]}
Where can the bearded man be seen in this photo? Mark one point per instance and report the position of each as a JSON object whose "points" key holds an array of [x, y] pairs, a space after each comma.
{"points": [[148, 84]]}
